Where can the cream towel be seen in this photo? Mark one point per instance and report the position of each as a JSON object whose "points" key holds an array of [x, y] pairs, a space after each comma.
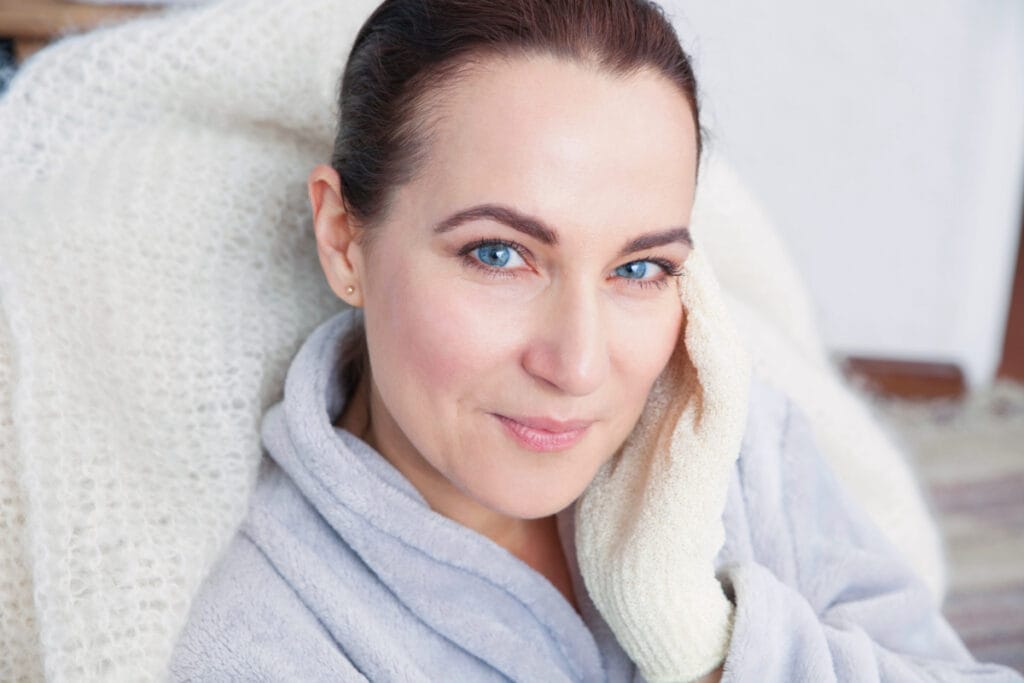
{"points": [[649, 526]]}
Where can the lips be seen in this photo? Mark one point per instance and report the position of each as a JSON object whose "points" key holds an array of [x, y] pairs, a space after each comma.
{"points": [[543, 433]]}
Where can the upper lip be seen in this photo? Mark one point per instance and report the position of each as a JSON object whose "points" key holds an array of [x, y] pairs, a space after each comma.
{"points": [[549, 424]]}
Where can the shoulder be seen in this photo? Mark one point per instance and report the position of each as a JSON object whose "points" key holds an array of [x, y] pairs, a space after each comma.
{"points": [[780, 455], [784, 488], [246, 622], [802, 522], [782, 459], [757, 526], [770, 416]]}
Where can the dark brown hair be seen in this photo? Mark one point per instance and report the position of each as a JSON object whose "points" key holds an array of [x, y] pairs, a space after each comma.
{"points": [[409, 51]]}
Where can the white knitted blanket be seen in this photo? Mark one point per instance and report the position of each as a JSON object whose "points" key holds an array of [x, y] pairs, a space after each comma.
{"points": [[157, 273]]}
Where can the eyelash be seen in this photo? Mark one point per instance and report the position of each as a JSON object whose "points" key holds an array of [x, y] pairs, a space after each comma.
{"points": [[466, 252]]}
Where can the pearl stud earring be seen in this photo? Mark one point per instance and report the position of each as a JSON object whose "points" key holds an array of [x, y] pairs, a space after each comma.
{"points": [[350, 289]]}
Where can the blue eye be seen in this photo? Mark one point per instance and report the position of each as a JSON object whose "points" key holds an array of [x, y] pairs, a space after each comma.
{"points": [[635, 270], [495, 254]]}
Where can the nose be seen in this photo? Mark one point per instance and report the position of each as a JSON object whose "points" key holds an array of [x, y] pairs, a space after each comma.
{"points": [[569, 345]]}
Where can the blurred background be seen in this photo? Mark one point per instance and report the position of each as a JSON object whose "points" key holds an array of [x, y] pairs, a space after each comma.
{"points": [[886, 142]]}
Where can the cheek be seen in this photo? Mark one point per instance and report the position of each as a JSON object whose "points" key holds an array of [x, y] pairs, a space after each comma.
{"points": [[645, 348], [438, 346]]}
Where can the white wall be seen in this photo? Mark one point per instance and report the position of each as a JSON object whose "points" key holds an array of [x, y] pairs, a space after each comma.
{"points": [[887, 142]]}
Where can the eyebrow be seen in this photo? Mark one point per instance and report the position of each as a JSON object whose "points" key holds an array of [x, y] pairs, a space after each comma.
{"points": [[536, 228]]}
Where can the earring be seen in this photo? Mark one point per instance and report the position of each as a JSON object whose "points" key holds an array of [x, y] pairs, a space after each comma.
{"points": [[350, 289]]}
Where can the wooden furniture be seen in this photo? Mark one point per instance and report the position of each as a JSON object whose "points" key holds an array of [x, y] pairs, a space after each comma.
{"points": [[31, 24], [1012, 365], [905, 379]]}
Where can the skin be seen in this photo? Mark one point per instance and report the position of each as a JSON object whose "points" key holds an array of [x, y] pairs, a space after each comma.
{"points": [[561, 331]]}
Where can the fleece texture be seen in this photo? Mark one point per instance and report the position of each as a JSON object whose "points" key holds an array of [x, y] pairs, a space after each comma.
{"points": [[158, 272], [341, 571]]}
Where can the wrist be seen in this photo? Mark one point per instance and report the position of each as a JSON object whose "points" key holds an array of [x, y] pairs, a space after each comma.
{"points": [[713, 677], [685, 645]]}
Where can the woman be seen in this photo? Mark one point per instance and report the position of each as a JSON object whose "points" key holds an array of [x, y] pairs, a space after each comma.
{"points": [[516, 455]]}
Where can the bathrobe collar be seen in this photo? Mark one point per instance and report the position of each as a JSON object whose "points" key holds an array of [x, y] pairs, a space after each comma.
{"points": [[385, 520]]}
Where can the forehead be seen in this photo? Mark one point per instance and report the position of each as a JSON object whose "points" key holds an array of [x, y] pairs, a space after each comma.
{"points": [[562, 140]]}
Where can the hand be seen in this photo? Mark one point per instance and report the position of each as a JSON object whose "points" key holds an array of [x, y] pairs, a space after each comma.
{"points": [[713, 677], [649, 526]]}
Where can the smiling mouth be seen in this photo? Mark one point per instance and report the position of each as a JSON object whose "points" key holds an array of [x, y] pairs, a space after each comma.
{"points": [[544, 434]]}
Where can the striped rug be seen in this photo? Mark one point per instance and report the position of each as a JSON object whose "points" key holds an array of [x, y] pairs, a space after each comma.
{"points": [[970, 455]]}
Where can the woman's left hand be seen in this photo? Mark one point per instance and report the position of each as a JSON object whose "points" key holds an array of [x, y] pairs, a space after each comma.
{"points": [[649, 525]]}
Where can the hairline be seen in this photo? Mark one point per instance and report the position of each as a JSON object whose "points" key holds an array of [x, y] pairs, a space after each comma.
{"points": [[426, 111]]}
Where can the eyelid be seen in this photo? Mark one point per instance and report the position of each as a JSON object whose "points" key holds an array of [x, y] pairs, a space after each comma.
{"points": [[671, 268], [465, 249], [668, 268]]}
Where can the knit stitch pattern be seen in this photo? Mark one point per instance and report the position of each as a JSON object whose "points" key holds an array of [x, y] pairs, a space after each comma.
{"points": [[158, 272]]}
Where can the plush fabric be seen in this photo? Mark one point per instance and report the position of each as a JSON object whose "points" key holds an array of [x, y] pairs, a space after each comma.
{"points": [[158, 273], [341, 571]]}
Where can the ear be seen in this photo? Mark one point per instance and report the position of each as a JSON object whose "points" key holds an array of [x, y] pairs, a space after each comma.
{"points": [[340, 254]]}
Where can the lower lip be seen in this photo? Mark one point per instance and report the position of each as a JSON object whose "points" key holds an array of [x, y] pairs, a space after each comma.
{"points": [[540, 440]]}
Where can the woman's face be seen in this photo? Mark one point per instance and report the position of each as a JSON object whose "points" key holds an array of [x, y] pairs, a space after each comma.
{"points": [[524, 276]]}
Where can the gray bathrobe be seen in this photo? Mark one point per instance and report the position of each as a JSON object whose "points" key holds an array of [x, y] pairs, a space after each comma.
{"points": [[341, 572]]}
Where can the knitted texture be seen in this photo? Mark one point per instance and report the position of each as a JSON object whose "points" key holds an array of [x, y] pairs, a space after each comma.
{"points": [[649, 526], [158, 271]]}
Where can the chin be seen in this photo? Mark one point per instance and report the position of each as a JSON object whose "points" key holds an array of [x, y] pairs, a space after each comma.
{"points": [[536, 500], [523, 484], [520, 511]]}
